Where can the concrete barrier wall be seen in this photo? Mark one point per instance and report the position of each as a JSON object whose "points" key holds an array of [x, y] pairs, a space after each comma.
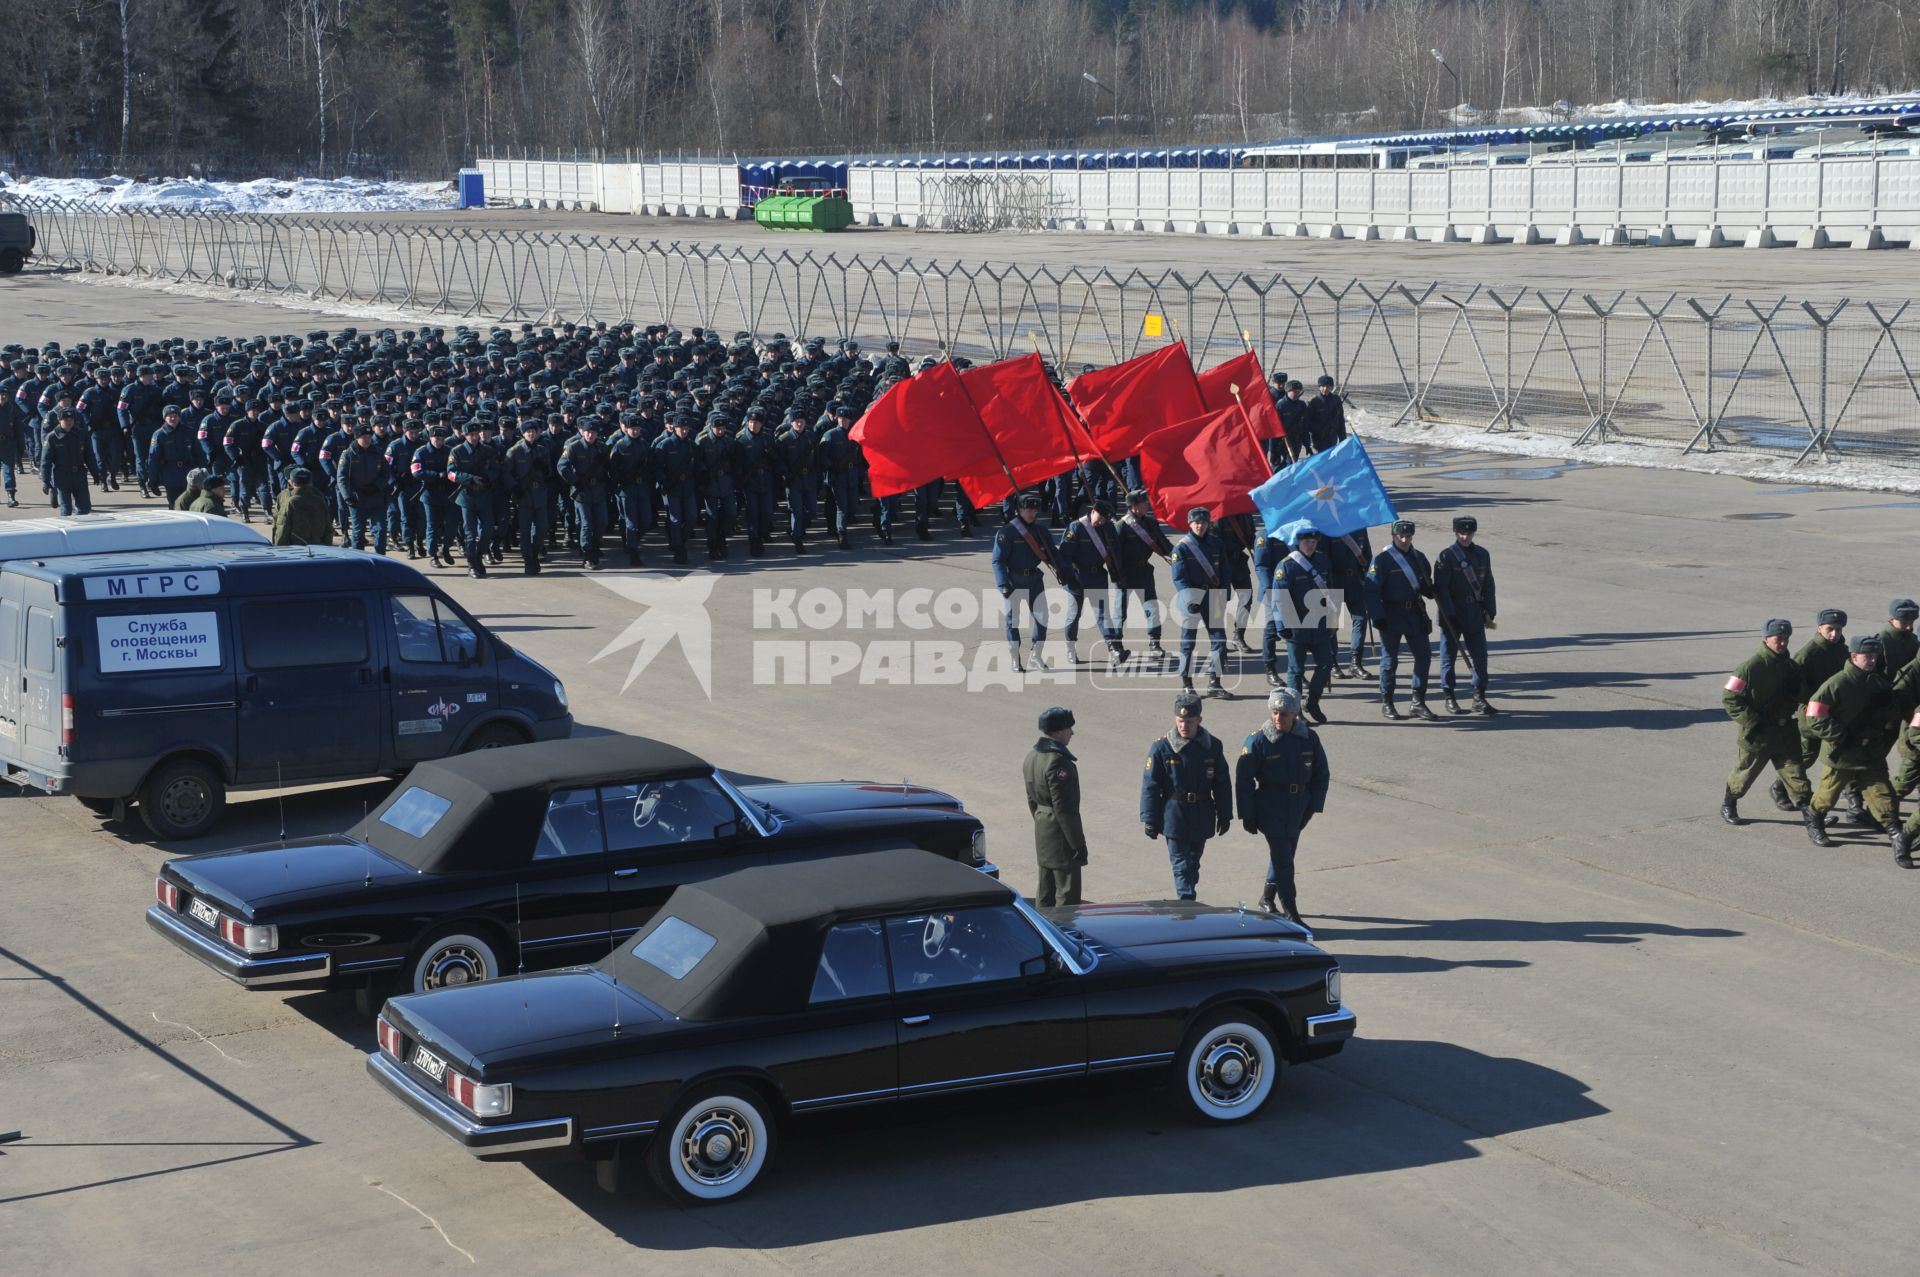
{"points": [[674, 189]]}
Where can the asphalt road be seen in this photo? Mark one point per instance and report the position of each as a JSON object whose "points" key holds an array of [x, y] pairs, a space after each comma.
{"points": [[1600, 1031]]}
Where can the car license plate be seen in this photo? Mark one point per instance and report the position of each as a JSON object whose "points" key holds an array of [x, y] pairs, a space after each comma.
{"points": [[430, 1064], [204, 912]]}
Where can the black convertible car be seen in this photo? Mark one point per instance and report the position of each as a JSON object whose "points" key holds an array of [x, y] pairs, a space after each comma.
{"points": [[521, 858], [860, 980]]}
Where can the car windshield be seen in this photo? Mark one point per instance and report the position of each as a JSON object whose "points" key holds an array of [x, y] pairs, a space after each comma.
{"points": [[1083, 957]]}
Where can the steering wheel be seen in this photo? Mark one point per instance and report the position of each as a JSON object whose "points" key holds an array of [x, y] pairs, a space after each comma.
{"points": [[933, 936], [648, 806]]}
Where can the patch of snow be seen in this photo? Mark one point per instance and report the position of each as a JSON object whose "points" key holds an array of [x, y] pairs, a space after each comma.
{"points": [[264, 195], [1855, 474]]}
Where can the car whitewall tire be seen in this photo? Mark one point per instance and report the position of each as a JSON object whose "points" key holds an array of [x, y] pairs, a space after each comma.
{"points": [[715, 1149], [454, 959], [1227, 1069]]}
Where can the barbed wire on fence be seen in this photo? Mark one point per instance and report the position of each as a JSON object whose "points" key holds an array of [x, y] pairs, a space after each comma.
{"points": [[1784, 377]]}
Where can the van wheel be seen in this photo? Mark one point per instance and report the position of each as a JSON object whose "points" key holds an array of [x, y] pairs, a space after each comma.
{"points": [[492, 736], [11, 261], [182, 799]]}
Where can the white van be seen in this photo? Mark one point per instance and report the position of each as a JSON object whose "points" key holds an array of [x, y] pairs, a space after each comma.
{"points": [[120, 532]]}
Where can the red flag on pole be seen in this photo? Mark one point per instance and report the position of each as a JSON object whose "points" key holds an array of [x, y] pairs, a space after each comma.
{"points": [[1031, 427], [922, 429], [1244, 372], [1210, 461], [1124, 404]]}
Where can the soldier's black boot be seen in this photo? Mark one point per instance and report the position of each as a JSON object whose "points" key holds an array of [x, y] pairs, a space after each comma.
{"points": [[1267, 901], [1186, 684], [1389, 710], [1902, 848], [633, 558], [1453, 704], [529, 563], [1290, 910], [1857, 810], [1273, 676], [1778, 792], [1816, 827], [1214, 688], [1420, 709], [1730, 809], [1481, 707], [1313, 711]]}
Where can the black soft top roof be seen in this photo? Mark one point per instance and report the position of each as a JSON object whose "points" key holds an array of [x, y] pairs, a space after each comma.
{"points": [[499, 797], [767, 925]]}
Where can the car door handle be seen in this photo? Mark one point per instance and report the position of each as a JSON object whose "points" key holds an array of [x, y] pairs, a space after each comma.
{"points": [[253, 682], [915, 1019], [626, 873]]}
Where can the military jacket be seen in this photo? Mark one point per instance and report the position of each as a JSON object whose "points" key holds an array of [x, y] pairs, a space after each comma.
{"points": [[1900, 647], [1053, 799], [431, 463], [1018, 556], [1852, 712], [1141, 541], [629, 461], [1464, 596], [1297, 582], [583, 466], [302, 518], [476, 473], [1819, 661], [1281, 779], [1763, 693], [1091, 556], [1187, 792], [1200, 563]]}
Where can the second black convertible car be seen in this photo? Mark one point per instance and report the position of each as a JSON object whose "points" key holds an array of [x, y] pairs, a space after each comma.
{"points": [[864, 979], [520, 858]]}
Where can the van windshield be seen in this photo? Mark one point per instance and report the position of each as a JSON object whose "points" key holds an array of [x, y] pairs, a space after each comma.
{"points": [[416, 811]]}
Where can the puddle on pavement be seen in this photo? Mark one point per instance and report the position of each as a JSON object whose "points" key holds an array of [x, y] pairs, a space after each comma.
{"points": [[1496, 473], [1763, 514]]}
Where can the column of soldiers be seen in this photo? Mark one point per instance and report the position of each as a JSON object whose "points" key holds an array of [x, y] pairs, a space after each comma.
{"points": [[1846, 705], [1188, 796]]}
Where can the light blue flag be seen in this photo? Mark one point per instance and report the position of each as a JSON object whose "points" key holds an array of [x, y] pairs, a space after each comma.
{"points": [[1334, 492]]}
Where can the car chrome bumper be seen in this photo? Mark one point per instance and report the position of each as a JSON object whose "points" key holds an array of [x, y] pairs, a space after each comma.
{"points": [[478, 1138], [1336, 1026], [253, 973]]}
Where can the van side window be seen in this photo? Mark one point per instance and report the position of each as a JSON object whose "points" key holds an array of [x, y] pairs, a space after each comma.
{"points": [[431, 633], [39, 640], [304, 633]]}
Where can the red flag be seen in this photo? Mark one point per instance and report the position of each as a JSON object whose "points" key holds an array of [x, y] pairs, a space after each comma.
{"points": [[921, 429], [1244, 372], [1210, 461], [1030, 424], [1124, 404]]}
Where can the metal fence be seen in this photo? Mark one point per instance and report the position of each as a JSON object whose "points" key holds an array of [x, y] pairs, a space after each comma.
{"points": [[1783, 377]]}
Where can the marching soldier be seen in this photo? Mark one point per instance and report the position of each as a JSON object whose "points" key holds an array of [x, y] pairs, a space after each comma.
{"points": [[758, 464], [432, 463], [1280, 783], [583, 467], [1053, 800], [1348, 556], [1020, 549], [1824, 656], [1761, 697], [673, 464], [1849, 713], [629, 467], [1303, 574], [475, 470], [1141, 541], [66, 459], [365, 483], [1200, 582], [1405, 581], [1091, 562], [529, 473], [1186, 793], [1463, 588]]}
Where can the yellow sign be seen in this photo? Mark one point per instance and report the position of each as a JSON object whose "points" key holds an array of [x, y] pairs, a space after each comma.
{"points": [[1155, 327]]}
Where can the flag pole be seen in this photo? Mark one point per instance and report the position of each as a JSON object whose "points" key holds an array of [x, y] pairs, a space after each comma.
{"points": [[1247, 419]]}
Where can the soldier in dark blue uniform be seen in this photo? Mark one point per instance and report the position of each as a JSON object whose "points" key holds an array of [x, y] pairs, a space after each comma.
{"points": [[171, 454], [719, 481], [1326, 417], [795, 446], [407, 488], [475, 468], [1090, 554], [1200, 586], [629, 471], [1020, 549], [365, 483], [835, 455], [583, 467], [1186, 793], [1237, 537], [66, 459], [759, 469], [673, 468], [1314, 610], [1280, 783], [1266, 568], [1141, 541], [1463, 589], [530, 476], [1349, 555], [1404, 581], [139, 411], [433, 463]]}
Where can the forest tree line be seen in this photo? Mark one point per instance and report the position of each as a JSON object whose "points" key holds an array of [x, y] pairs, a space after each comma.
{"points": [[284, 87]]}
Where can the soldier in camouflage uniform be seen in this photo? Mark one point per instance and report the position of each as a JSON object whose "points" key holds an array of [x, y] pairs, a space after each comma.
{"points": [[1851, 713], [1762, 697]]}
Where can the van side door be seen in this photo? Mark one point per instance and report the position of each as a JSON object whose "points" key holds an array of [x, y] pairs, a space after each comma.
{"points": [[310, 705], [442, 674]]}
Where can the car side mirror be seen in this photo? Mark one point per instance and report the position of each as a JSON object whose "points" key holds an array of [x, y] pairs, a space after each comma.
{"points": [[727, 829], [1036, 968]]}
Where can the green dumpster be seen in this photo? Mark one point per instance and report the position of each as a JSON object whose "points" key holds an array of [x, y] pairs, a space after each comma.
{"points": [[804, 204]]}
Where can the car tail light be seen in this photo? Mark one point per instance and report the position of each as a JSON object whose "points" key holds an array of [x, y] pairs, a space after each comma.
{"points": [[252, 939], [979, 846], [1333, 987], [66, 719], [481, 1101], [389, 1038], [167, 894]]}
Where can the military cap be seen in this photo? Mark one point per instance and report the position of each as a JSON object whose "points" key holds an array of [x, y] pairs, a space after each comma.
{"points": [[171, 410], [1831, 616], [1778, 627], [1903, 610], [531, 425], [1186, 705], [1306, 532], [1870, 644], [1325, 380], [300, 476], [69, 414], [1198, 513], [1056, 719], [845, 410], [1136, 496], [364, 428], [1466, 523], [1284, 700], [214, 481], [1402, 528], [1028, 501], [1104, 507], [439, 431], [1295, 385]]}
